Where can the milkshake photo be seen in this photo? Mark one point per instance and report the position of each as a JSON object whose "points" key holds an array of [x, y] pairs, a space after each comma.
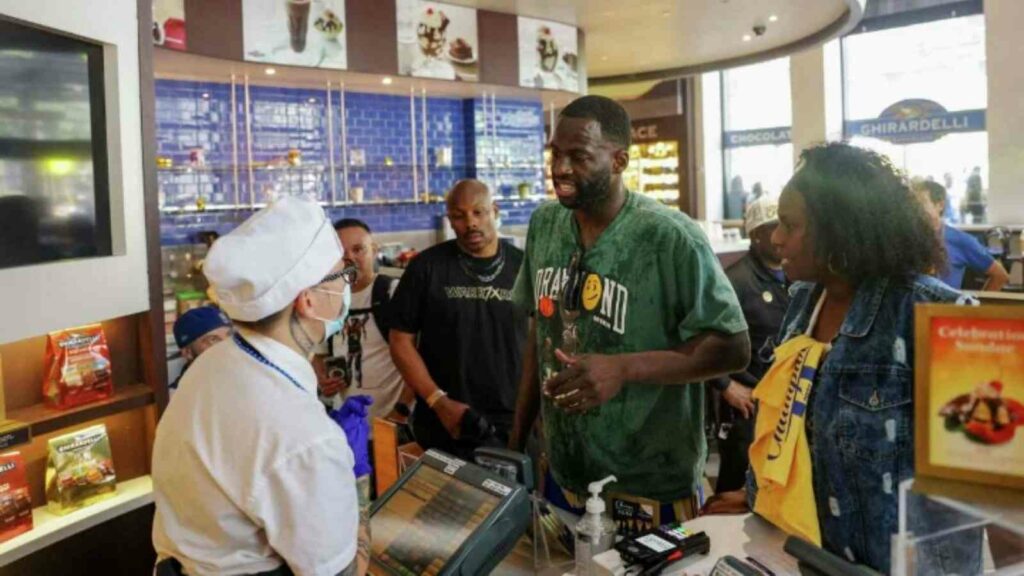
{"points": [[298, 23]]}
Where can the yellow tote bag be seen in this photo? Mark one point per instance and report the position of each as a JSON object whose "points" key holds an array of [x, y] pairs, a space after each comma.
{"points": [[780, 455]]}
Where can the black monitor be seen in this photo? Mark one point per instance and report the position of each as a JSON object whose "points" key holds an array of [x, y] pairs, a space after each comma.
{"points": [[54, 172], [445, 516]]}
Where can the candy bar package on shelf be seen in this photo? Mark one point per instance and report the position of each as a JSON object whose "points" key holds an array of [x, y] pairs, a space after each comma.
{"points": [[15, 502], [80, 470], [77, 367]]}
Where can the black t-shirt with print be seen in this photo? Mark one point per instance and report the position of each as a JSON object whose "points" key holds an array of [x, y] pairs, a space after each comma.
{"points": [[471, 335]]}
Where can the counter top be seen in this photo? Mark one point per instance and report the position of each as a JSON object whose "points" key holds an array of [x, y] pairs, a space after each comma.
{"points": [[737, 535], [987, 227]]}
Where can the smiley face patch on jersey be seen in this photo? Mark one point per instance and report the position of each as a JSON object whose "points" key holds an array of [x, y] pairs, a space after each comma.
{"points": [[592, 290]]}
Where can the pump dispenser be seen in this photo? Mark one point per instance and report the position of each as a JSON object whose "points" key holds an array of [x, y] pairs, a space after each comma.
{"points": [[595, 532]]}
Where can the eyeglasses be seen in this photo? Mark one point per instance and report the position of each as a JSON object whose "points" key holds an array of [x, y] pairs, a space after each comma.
{"points": [[348, 274]]}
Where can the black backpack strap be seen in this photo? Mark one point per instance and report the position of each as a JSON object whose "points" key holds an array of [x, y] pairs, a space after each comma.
{"points": [[380, 298]]}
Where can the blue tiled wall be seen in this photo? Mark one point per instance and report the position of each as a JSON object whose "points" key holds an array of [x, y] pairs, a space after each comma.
{"points": [[198, 115], [508, 147]]}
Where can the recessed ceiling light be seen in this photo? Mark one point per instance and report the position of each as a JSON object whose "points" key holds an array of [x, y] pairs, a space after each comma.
{"points": [[386, 80], [270, 71], [773, 18], [206, 95], [746, 37], [312, 100]]}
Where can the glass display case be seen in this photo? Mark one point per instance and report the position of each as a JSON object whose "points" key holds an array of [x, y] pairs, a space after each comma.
{"points": [[940, 525], [654, 170]]}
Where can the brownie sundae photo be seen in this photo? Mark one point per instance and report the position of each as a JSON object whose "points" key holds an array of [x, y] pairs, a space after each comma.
{"points": [[985, 415]]}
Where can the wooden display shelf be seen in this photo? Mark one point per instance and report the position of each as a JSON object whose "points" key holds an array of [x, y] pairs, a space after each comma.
{"points": [[48, 528], [43, 420]]}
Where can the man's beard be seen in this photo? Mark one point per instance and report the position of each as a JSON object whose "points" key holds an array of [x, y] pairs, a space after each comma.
{"points": [[592, 192]]}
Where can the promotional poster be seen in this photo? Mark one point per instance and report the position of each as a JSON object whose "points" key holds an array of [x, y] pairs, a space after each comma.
{"points": [[974, 401]]}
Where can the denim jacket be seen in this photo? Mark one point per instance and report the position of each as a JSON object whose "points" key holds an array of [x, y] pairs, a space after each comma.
{"points": [[860, 421]]}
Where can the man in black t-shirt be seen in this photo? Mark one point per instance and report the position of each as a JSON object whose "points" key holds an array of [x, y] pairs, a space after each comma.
{"points": [[456, 297]]}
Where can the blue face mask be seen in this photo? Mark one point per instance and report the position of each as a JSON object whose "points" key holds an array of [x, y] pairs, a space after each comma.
{"points": [[334, 326]]}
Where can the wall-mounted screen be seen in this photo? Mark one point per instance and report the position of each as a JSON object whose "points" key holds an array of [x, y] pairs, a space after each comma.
{"points": [[54, 174]]}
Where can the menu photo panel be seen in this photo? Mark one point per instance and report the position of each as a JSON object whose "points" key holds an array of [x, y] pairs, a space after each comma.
{"points": [[548, 55], [169, 24], [437, 40], [308, 33]]}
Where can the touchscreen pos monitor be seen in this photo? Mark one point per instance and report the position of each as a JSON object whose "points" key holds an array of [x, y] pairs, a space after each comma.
{"points": [[445, 516]]}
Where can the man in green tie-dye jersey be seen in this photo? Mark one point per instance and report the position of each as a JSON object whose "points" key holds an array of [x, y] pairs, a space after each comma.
{"points": [[631, 311]]}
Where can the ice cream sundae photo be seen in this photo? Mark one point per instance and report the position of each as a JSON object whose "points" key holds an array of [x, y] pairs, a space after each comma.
{"points": [[431, 32], [547, 48], [329, 25], [985, 415]]}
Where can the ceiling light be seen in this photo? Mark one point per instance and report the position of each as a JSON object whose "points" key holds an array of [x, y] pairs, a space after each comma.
{"points": [[270, 71], [386, 80], [312, 100], [746, 37], [773, 18], [206, 95]]}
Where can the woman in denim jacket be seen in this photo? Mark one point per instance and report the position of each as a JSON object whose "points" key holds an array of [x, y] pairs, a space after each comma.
{"points": [[851, 232]]}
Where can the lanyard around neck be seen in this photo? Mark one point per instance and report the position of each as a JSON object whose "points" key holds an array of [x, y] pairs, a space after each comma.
{"points": [[259, 357]]}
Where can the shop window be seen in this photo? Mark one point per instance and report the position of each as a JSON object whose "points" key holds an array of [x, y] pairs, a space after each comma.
{"points": [[756, 118], [917, 92]]}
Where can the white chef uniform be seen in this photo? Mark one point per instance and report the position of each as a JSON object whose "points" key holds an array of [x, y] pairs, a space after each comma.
{"points": [[249, 473]]}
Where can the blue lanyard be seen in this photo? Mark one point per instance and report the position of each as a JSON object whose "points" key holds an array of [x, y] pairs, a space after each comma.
{"points": [[259, 357]]}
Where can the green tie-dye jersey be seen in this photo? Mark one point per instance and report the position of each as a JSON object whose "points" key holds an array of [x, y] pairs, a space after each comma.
{"points": [[652, 283]]}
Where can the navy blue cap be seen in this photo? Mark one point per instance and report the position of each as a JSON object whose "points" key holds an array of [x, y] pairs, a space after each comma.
{"points": [[198, 322]]}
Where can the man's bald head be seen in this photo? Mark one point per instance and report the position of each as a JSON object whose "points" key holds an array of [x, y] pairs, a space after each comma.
{"points": [[468, 189], [472, 213]]}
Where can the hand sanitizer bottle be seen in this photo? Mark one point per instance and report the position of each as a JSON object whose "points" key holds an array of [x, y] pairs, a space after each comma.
{"points": [[595, 532]]}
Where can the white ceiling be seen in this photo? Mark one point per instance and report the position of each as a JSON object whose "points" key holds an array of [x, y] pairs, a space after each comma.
{"points": [[630, 36]]}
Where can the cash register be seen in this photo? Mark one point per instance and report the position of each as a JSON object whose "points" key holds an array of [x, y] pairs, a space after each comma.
{"points": [[446, 516]]}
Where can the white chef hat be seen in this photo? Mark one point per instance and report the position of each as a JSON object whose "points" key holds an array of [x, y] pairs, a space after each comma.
{"points": [[262, 266]]}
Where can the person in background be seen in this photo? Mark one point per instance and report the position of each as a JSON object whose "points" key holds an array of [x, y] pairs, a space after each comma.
{"points": [[963, 251], [250, 475], [975, 200], [761, 289], [358, 359], [631, 310], [196, 331], [842, 381], [456, 336]]}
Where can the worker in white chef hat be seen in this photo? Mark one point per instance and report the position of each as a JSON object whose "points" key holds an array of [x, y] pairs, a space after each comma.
{"points": [[250, 475]]}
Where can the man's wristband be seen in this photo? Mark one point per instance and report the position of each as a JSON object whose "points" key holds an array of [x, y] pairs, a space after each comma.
{"points": [[435, 396]]}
